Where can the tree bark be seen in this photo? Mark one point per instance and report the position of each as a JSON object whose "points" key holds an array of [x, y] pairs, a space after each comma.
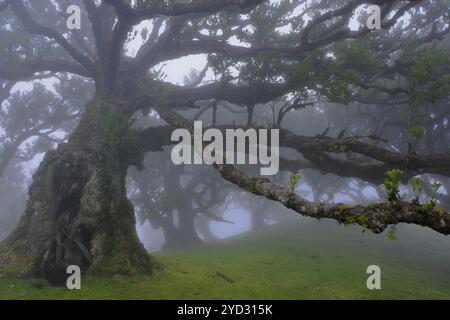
{"points": [[78, 212]]}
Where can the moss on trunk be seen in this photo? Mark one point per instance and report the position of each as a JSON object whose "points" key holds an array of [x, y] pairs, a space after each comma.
{"points": [[78, 212]]}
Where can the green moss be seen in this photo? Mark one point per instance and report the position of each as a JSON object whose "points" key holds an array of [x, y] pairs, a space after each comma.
{"points": [[340, 211], [440, 212], [349, 220], [13, 268], [252, 186], [392, 233], [122, 251], [13, 265], [122, 141], [362, 220]]}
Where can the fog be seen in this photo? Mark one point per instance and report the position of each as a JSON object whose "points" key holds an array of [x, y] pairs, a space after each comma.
{"points": [[363, 116]]}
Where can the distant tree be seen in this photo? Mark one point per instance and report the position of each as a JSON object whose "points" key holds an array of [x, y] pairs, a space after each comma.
{"points": [[174, 197]]}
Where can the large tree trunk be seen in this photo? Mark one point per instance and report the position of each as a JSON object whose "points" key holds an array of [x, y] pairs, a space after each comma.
{"points": [[78, 212]]}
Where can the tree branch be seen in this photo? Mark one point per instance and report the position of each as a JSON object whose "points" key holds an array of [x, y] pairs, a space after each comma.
{"points": [[375, 217], [35, 28], [150, 9], [28, 70], [209, 45]]}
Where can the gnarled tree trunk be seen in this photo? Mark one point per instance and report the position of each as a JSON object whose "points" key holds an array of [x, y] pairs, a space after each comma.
{"points": [[78, 212]]}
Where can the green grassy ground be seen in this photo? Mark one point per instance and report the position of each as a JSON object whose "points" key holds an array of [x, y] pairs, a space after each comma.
{"points": [[305, 260]]}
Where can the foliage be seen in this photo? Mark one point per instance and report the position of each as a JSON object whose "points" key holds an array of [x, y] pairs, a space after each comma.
{"points": [[293, 181], [433, 201], [417, 188], [415, 129], [350, 220], [392, 233], [392, 184], [429, 205], [362, 220], [425, 77]]}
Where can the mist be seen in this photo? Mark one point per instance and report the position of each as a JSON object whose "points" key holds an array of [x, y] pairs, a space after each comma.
{"points": [[87, 175]]}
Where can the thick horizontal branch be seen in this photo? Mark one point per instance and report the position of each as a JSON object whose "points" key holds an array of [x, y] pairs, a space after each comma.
{"points": [[182, 96], [375, 217], [27, 70], [155, 138], [309, 146], [318, 151]]}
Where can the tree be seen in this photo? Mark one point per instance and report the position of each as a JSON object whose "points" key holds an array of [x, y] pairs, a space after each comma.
{"points": [[172, 197], [292, 51]]}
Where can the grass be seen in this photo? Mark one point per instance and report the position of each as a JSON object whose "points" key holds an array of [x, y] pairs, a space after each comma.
{"points": [[304, 260]]}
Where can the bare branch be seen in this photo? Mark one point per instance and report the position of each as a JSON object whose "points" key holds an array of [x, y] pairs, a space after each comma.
{"points": [[157, 24], [96, 20], [35, 28]]}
